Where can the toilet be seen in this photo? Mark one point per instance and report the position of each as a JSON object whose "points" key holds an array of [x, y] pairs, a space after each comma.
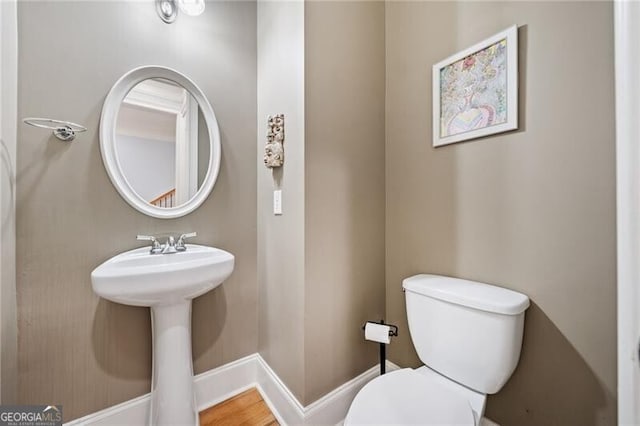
{"points": [[468, 335]]}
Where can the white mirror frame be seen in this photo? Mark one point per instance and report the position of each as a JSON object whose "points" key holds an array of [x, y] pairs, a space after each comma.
{"points": [[108, 120]]}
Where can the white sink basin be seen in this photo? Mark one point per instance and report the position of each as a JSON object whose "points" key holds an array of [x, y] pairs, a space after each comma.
{"points": [[139, 278], [167, 283]]}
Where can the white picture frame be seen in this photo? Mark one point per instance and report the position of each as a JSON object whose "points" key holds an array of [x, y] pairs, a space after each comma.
{"points": [[475, 91]]}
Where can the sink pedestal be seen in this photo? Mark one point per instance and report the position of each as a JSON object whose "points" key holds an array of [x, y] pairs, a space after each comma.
{"points": [[167, 283], [172, 396]]}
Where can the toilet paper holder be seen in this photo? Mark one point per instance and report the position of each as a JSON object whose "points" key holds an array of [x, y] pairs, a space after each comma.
{"points": [[393, 331]]}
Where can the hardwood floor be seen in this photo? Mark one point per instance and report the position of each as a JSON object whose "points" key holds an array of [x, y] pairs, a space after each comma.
{"points": [[247, 409]]}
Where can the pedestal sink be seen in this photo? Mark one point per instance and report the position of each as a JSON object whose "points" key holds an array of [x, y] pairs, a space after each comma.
{"points": [[167, 283]]}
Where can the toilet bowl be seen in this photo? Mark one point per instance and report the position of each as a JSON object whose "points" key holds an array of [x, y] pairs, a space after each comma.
{"points": [[469, 337], [408, 397]]}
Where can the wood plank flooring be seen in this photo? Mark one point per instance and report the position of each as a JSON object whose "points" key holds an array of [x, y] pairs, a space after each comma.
{"points": [[246, 409]]}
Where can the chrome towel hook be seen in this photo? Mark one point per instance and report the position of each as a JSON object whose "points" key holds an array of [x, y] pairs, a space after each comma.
{"points": [[63, 130]]}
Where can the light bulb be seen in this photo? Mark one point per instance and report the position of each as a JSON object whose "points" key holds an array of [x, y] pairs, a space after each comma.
{"points": [[167, 9], [191, 7]]}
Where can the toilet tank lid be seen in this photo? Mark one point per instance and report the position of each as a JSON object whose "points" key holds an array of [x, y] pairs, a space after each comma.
{"points": [[472, 294]]}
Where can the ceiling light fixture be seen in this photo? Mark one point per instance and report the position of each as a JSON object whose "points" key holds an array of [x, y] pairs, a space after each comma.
{"points": [[168, 9], [191, 7]]}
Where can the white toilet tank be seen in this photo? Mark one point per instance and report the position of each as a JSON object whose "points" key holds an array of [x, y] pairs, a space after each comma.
{"points": [[467, 331]]}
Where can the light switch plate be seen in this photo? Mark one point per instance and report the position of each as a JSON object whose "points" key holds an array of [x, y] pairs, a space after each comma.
{"points": [[277, 202]]}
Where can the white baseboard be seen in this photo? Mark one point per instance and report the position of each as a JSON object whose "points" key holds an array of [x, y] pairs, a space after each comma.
{"points": [[283, 404], [221, 383]]}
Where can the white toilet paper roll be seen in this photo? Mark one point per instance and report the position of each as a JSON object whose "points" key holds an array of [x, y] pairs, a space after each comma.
{"points": [[377, 333]]}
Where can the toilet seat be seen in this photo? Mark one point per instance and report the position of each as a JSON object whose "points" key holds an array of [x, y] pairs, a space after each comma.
{"points": [[406, 397]]}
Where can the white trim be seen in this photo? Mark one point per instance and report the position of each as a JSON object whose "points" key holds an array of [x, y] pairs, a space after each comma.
{"points": [[214, 386], [157, 95], [281, 399], [187, 145], [627, 69], [192, 125], [271, 406], [219, 384], [183, 156], [511, 36], [333, 407], [132, 412]]}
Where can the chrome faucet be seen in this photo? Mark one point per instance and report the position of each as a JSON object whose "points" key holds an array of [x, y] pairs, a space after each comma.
{"points": [[171, 246], [155, 245], [180, 245]]}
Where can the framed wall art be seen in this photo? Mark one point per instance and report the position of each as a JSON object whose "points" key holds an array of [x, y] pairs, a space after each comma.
{"points": [[475, 91]]}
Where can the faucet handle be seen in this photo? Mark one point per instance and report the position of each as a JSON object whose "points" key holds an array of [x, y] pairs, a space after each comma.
{"points": [[180, 246], [155, 244], [151, 238]]}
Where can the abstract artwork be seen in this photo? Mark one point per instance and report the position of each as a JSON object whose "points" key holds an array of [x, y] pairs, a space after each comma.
{"points": [[475, 91]]}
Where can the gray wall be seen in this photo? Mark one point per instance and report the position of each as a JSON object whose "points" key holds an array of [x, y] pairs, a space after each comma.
{"points": [[532, 210], [281, 238], [75, 349], [8, 107], [321, 264], [344, 189]]}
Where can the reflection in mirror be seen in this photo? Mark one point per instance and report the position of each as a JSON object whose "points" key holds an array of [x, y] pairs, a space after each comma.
{"points": [[162, 144]]}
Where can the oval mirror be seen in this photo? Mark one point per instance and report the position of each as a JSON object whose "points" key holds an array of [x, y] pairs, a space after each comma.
{"points": [[160, 141]]}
